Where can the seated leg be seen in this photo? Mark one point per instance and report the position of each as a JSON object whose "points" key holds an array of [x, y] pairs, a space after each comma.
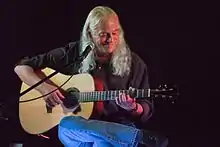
{"points": [[75, 130]]}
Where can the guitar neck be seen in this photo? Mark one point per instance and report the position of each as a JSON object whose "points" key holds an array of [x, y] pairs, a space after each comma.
{"points": [[110, 95]]}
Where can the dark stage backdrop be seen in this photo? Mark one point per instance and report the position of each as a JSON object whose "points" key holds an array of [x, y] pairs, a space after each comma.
{"points": [[177, 41]]}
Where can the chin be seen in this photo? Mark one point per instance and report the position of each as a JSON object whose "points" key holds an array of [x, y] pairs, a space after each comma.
{"points": [[111, 50]]}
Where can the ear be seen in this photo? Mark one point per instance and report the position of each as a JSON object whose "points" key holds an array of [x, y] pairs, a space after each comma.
{"points": [[90, 34]]}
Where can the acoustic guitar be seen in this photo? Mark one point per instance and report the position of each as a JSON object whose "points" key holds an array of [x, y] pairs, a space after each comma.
{"points": [[81, 90]]}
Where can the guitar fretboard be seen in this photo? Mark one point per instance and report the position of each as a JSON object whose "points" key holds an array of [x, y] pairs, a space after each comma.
{"points": [[110, 95]]}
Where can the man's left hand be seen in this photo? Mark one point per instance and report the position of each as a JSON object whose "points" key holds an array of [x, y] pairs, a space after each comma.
{"points": [[126, 102]]}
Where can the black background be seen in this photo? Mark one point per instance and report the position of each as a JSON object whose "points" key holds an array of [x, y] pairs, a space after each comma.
{"points": [[177, 41]]}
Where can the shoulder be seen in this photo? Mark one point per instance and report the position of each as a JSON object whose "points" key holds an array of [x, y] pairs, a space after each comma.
{"points": [[68, 50], [137, 61], [73, 45]]}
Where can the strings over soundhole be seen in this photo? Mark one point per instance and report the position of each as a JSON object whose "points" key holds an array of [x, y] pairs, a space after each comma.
{"points": [[71, 98]]}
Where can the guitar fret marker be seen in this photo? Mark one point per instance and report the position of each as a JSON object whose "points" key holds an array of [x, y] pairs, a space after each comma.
{"points": [[148, 93]]}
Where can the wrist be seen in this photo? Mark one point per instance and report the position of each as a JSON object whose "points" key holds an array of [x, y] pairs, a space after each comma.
{"points": [[138, 110], [41, 87], [134, 108]]}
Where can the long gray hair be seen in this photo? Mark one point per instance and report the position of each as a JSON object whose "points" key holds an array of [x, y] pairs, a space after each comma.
{"points": [[121, 57]]}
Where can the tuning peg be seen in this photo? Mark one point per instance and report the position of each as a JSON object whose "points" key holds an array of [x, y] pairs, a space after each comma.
{"points": [[171, 89], [163, 96]]}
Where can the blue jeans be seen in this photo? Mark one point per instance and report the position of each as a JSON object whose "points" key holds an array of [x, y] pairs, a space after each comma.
{"points": [[75, 131]]}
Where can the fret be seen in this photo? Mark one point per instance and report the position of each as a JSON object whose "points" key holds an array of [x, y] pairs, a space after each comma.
{"points": [[97, 96], [81, 97], [101, 97], [110, 95], [86, 97], [104, 95], [115, 94], [92, 96], [89, 98]]}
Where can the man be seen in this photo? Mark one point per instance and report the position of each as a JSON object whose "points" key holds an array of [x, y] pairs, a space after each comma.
{"points": [[112, 63]]}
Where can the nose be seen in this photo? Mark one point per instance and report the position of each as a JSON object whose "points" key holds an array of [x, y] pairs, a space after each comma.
{"points": [[108, 38]]}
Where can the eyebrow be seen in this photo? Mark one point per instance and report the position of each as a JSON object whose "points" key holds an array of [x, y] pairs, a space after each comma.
{"points": [[101, 31], [112, 31]]}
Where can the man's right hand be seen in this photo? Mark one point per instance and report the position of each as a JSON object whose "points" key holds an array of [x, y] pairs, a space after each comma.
{"points": [[54, 98]]}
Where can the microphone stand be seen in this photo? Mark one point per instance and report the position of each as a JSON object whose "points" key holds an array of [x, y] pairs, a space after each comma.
{"points": [[78, 60]]}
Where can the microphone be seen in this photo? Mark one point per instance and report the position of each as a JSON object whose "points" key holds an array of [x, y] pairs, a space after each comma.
{"points": [[86, 52]]}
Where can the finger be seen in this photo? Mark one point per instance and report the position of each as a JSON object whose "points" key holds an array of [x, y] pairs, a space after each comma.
{"points": [[123, 98], [129, 99], [117, 100], [57, 98], [51, 100], [120, 98], [48, 103], [60, 94]]}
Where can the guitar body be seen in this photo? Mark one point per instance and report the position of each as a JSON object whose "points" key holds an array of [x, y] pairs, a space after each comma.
{"points": [[33, 114], [35, 119]]}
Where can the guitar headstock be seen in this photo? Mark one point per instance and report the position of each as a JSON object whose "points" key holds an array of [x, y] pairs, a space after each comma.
{"points": [[165, 92]]}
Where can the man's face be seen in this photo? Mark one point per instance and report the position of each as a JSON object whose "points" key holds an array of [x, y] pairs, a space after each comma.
{"points": [[107, 36]]}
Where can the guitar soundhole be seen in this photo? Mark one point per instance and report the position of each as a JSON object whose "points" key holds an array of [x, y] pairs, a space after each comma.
{"points": [[71, 98]]}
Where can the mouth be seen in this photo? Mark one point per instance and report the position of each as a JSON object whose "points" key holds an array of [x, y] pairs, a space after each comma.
{"points": [[107, 45]]}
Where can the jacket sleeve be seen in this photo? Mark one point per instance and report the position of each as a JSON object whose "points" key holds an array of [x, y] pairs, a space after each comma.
{"points": [[140, 80], [56, 59]]}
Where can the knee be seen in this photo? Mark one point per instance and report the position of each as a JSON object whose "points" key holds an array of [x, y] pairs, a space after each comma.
{"points": [[72, 122], [67, 126]]}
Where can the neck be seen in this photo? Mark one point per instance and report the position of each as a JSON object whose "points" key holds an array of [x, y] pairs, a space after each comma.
{"points": [[111, 95], [103, 57]]}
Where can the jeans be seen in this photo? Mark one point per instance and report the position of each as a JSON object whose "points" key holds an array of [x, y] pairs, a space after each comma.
{"points": [[75, 131]]}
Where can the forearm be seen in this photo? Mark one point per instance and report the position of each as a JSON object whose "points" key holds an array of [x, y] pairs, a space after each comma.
{"points": [[28, 76]]}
